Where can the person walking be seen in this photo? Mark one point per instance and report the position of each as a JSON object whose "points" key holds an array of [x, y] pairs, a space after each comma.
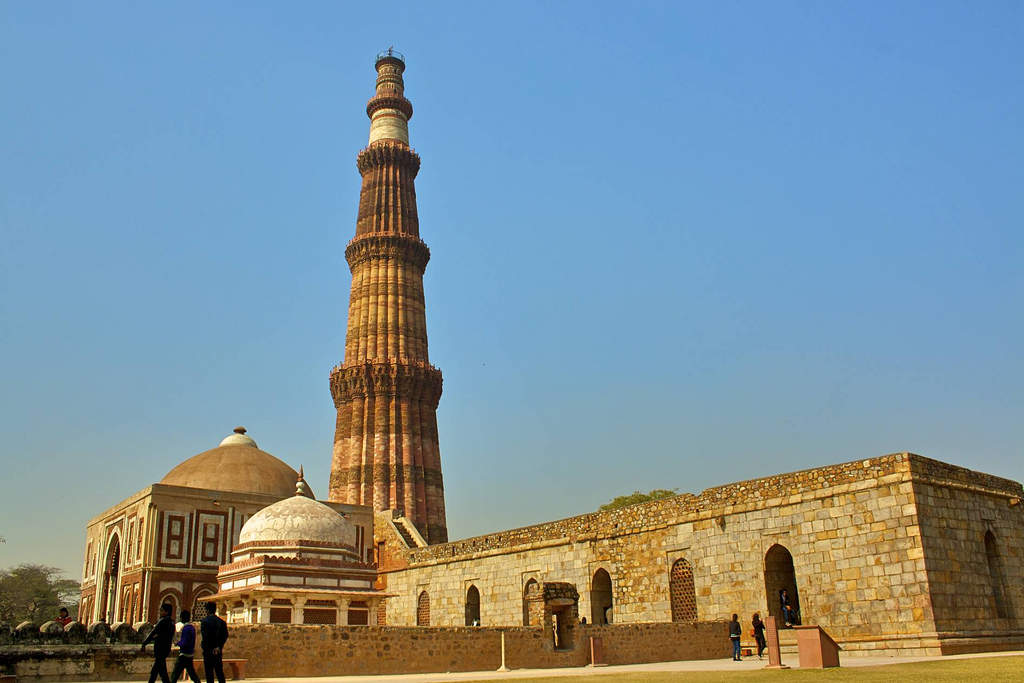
{"points": [[759, 634], [161, 637], [735, 631], [186, 650], [215, 634]]}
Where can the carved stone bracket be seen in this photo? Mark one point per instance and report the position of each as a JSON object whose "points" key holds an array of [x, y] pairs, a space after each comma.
{"points": [[389, 102], [411, 380], [388, 152], [384, 246]]}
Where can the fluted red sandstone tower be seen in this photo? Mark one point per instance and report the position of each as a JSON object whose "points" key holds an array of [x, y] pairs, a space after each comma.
{"points": [[386, 391]]}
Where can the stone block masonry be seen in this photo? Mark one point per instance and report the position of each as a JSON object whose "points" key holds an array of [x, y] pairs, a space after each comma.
{"points": [[888, 554], [279, 650]]}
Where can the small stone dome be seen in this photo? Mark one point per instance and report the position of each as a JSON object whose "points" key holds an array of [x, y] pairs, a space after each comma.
{"points": [[237, 464], [298, 518]]}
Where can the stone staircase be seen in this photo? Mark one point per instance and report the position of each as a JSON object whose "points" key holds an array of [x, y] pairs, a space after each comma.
{"points": [[408, 532]]}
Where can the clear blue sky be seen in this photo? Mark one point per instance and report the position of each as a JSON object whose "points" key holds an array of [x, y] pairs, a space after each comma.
{"points": [[674, 244]]}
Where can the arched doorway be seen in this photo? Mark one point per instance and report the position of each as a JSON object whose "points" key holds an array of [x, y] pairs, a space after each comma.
{"points": [[601, 598], [779, 576], [995, 573], [472, 607], [111, 580], [530, 592], [682, 593], [423, 609]]}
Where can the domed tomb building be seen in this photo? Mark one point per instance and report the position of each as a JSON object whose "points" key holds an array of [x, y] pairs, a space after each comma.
{"points": [[296, 562], [166, 542]]}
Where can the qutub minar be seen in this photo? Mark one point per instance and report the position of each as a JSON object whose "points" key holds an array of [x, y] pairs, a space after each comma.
{"points": [[386, 452]]}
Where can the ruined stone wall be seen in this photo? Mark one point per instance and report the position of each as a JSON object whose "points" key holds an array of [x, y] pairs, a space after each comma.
{"points": [[852, 530], [957, 509]]}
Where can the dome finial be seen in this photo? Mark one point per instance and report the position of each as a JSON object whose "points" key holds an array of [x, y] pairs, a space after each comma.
{"points": [[239, 430], [301, 489]]}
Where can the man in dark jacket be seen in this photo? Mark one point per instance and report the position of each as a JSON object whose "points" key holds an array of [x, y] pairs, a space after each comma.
{"points": [[161, 637], [735, 631], [215, 633]]}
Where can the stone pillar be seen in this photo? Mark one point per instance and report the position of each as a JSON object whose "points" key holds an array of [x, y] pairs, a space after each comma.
{"points": [[263, 610], [298, 604], [386, 391], [343, 604]]}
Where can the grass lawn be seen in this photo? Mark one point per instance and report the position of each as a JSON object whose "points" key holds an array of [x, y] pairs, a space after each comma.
{"points": [[992, 669]]}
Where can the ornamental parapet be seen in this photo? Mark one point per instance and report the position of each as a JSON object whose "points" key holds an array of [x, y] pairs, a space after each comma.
{"points": [[299, 544], [305, 562], [389, 102], [411, 379], [405, 248], [388, 152]]}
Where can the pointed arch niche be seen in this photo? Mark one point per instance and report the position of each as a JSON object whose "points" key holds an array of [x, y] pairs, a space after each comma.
{"points": [[996, 576], [472, 606], [779, 575], [682, 592], [601, 598]]}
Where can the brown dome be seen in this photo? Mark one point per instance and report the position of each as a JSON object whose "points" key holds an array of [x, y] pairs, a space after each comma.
{"points": [[236, 465]]}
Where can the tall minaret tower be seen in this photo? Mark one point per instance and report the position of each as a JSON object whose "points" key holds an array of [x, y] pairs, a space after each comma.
{"points": [[386, 391]]}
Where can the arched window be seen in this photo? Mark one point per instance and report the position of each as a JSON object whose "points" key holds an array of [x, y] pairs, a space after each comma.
{"points": [[995, 574], [682, 593], [423, 610], [472, 607], [780, 584], [168, 599], [530, 591], [202, 596], [601, 598]]}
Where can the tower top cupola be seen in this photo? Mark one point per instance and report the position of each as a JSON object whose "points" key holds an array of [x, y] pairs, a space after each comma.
{"points": [[388, 109]]}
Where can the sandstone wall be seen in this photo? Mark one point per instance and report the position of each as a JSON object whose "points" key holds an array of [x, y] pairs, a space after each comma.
{"points": [[852, 529], [280, 650], [344, 650], [957, 509]]}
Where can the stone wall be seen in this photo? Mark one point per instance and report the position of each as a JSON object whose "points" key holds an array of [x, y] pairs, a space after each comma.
{"points": [[977, 588], [853, 531], [281, 650]]}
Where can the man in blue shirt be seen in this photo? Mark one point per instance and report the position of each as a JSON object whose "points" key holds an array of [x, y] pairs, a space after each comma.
{"points": [[187, 650]]}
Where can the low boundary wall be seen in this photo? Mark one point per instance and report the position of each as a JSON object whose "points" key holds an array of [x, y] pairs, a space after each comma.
{"points": [[281, 650]]}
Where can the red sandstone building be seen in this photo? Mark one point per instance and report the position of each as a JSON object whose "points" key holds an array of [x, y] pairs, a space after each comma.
{"points": [[166, 542]]}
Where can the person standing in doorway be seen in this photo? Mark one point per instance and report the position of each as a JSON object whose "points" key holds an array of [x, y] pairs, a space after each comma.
{"points": [[215, 634], [161, 637], [735, 631], [187, 650], [759, 634], [788, 613]]}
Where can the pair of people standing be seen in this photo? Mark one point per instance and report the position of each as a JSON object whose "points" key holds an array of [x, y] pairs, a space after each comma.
{"points": [[736, 632], [214, 632]]}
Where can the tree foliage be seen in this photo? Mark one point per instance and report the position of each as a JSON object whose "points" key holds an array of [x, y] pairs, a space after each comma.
{"points": [[35, 592], [637, 497]]}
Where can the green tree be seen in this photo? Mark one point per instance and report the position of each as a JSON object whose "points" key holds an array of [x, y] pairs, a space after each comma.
{"points": [[637, 497], [34, 592]]}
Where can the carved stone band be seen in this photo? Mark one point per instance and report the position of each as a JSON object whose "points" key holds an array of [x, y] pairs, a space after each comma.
{"points": [[400, 247]]}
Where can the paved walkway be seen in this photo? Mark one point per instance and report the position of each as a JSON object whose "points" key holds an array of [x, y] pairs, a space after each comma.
{"points": [[748, 664]]}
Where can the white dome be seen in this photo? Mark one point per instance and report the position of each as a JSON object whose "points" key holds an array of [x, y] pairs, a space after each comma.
{"points": [[237, 439], [298, 519]]}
